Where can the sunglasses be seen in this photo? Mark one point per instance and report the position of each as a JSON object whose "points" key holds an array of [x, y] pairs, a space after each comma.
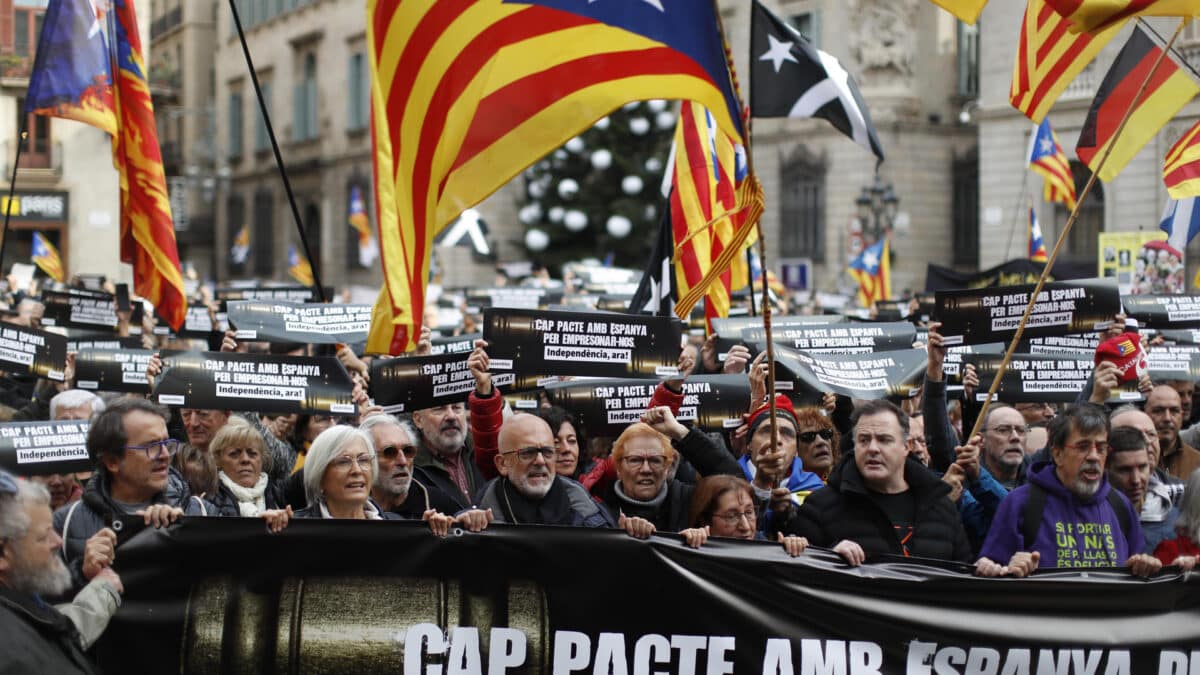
{"points": [[391, 451], [810, 436]]}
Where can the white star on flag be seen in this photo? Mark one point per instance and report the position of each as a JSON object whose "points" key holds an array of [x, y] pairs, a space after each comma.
{"points": [[778, 53], [1047, 146], [656, 4], [870, 260]]}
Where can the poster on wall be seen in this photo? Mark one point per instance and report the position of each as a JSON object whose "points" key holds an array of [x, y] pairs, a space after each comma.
{"points": [[1141, 262]]}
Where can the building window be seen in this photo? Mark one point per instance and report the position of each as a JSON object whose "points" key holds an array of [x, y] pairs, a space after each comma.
{"points": [[808, 24], [966, 209], [263, 237], [359, 99], [304, 114], [968, 60], [235, 125], [1081, 245], [802, 206], [35, 147], [27, 27], [262, 140]]}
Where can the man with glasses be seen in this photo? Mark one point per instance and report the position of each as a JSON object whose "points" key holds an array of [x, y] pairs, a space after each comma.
{"points": [[1004, 431], [1176, 457], [132, 451], [528, 490], [1068, 515]]}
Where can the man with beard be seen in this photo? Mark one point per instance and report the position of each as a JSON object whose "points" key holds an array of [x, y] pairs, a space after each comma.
{"points": [[38, 638], [444, 458], [1068, 515], [1176, 457], [528, 490], [1004, 457]]}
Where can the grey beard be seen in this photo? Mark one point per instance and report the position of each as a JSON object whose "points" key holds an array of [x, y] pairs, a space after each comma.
{"points": [[530, 492], [52, 580], [391, 488]]}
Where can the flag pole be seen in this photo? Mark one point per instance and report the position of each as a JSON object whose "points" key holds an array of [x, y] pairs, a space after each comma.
{"points": [[750, 280], [12, 187], [1012, 231], [1062, 237], [287, 183]]}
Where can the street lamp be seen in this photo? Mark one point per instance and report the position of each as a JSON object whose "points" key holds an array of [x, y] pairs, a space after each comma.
{"points": [[877, 208]]}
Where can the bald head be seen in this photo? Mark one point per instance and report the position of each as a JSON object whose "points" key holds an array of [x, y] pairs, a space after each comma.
{"points": [[1136, 419], [532, 475], [523, 430]]}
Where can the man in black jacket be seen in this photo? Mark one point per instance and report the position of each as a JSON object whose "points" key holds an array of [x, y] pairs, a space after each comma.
{"points": [[445, 458], [880, 502]]}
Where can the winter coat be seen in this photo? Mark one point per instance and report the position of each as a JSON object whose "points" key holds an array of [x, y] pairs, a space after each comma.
{"points": [[583, 511], [227, 503], [38, 638]]}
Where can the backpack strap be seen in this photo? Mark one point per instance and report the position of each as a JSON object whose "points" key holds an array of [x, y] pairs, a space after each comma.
{"points": [[67, 527], [1122, 510], [1035, 505]]}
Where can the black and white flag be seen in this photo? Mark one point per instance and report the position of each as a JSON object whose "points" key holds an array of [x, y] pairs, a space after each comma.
{"points": [[791, 78], [656, 292]]}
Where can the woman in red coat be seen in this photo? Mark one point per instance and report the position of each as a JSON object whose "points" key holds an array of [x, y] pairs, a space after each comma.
{"points": [[1184, 549]]}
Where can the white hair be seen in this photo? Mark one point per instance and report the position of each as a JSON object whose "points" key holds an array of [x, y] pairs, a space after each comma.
{"points": [[76, 398], [324, 449], [14, 521]]}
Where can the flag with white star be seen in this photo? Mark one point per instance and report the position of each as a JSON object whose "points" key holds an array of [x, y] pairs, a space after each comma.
{"points": [[791, 78], [873, 272]]}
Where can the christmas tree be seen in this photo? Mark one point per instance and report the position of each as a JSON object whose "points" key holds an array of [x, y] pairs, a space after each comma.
{"points": [[599, 194]]}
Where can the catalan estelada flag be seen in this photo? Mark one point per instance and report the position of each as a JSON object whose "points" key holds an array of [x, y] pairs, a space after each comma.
{"points": [[240, 250], [1046, 158], [966, 10], [71, 76], [873, 272], [1049, 57], [46, 257], [1037, 245], [298, 267], [147, 231], [1096, 15], [357, 217], [1181, 170], [708, 230], [1171, 87], [465, 95]]}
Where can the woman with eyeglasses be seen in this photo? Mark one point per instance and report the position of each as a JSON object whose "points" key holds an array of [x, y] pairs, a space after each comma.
{"points": [[723, 506], [244, 486]]}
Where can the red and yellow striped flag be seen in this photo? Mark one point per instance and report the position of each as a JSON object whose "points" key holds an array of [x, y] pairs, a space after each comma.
{"points": [[705, 218], [147, 230], [1181, 171], [467, 94], [965, 10], [1049, 57], [1096, 15]]}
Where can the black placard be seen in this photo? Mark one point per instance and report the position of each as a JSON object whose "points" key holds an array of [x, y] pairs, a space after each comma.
{"points": [[80, 342], [32, 351], [729, 329], [113, 370], [413, 383], [260, 382], [1081, 343], [606, 406], [1185, 336], [92, 311], [1163, 311], [952, 365], [198, 324], [273, 293], [454, 344], [1174, 362], [1035, 378], [979, 316], [837, 338], [581, 343], [41, 448], [896, 374], [300, 322]]}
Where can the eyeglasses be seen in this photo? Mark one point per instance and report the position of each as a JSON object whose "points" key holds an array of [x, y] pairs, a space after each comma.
{"points": [[810, 436], [345, 462], [529, 454], [237, 453], [1084, 447], [636, 461], [154, 449], [390, 452], [1007, 429], [732, 519]]}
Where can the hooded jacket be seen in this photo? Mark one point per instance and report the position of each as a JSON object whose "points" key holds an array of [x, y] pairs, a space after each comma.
{"points": [[1075, 532]]}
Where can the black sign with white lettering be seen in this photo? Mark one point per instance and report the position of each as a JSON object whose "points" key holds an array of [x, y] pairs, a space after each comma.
{"points": [[896, 374], [273, 293], [41, 448], [729, 329], [258, 382], [78, 343], [32, 351], [113, 370], [1034, 378], [1082, 343], [983, 315], [605, 407], [300, 322], [952, 365], [1163, 311], [581, 343], [1174, 362], [837, 338], [413, 383], [93, 311], [455, 344]]}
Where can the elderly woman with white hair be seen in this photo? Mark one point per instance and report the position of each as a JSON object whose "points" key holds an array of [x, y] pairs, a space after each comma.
{"points": [[338, 475], [1183, 550]]}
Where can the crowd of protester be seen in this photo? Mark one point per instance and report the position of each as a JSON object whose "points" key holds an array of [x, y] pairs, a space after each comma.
{"points": [[1041, 486]]}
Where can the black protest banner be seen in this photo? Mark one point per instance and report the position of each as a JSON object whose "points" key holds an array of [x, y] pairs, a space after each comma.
{"points": [[78, 343], [259, 382], [31, 351], [273, 293], [979, 316], [897, 374], [729, 329], [836, 338], [93, 311], [1185, 336], [512, 297], [712, 402], [581, 343], [413, 383], [1083, 343], [311, 323], [1049, 378], [454, 344], [198, 324], [41, 448], [211, 595], [1163, 311], [953, 363], [1174, 362], [113, 370]]}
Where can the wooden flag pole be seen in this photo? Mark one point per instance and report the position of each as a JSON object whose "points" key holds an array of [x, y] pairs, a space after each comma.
{"points": [[1062, 237]]}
